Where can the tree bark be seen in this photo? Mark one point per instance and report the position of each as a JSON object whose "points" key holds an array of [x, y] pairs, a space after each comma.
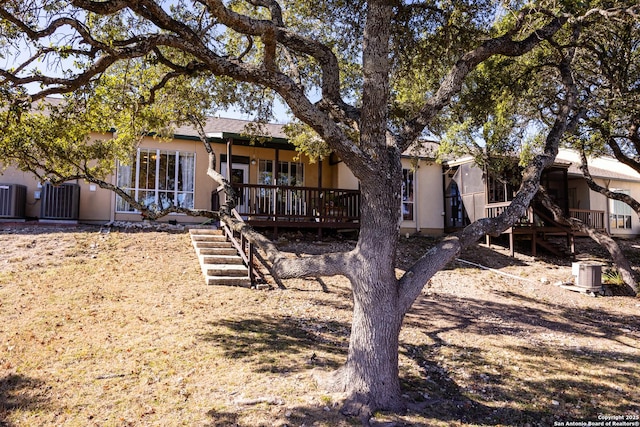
{"points": [[370, 375]]}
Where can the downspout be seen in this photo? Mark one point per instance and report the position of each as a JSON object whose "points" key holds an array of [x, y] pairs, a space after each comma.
{"points": [[607, 209], [229, 159], [416, 199], [112, 200], [112, 196]]}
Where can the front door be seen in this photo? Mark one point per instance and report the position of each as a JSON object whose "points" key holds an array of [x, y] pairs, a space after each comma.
{"points": [[239, 175]]}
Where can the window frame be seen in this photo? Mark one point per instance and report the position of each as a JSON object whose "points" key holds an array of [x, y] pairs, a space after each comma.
{"points": [[408, 194], [276, 177], [620, 213], [171, 184]]}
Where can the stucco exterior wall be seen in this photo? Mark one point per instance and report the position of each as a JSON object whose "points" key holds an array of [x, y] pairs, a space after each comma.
{"points": [[94, 206], [429, 199]]}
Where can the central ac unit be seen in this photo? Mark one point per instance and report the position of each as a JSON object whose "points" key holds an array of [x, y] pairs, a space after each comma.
{"points": [[13, 199], [60, 202]]}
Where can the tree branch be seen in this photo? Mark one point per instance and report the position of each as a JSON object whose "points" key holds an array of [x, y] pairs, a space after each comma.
{"points": [[625, 198], [411, 284], [602, 239], [452, 82]]}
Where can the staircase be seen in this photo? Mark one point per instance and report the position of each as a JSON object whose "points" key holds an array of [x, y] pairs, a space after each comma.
{"points": [[220, 262]]}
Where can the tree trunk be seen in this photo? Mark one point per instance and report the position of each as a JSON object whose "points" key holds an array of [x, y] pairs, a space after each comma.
{"points": [[370, 376]]}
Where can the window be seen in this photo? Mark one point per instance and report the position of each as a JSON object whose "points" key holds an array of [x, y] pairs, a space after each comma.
{"points": [[289, 173], [265, 172], [407, 194], [500, 190], [157, 177], [620, 212]]}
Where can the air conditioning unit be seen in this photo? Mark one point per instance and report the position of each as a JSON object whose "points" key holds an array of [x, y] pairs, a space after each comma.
{"points": [[13, 198], [588, 275], [61, 202]]}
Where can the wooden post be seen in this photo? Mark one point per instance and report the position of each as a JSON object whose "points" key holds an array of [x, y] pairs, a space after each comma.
{"points": [[252, 277], [318, 199], [534, 243], [229, 161], [276, 171], [512, 251]]}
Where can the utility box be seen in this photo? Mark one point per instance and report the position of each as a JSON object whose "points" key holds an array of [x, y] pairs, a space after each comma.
{"points": [[13, 199], [588, 275], [60, 202]]}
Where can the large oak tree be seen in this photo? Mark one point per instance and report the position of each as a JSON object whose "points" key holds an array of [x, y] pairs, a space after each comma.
{"points": [[369, 77]]}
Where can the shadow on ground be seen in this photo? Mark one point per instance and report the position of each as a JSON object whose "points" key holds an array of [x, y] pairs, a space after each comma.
{"points": [[19, 392], [546, 369], [491, 392], [272, 344]]}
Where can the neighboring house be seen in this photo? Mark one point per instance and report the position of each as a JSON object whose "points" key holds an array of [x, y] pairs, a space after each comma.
{"points": [[471, 193], [276, 186], [620, 220]]}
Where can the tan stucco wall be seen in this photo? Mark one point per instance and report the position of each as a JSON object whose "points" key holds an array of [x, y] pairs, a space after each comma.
{"points": [[205, 185], [344, 178], [589, 199], [428, 194], [429, 199], [600, 202], [95, 203]]}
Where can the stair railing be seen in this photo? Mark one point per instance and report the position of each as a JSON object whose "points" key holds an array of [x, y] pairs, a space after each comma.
{"points": [[244, 247]]}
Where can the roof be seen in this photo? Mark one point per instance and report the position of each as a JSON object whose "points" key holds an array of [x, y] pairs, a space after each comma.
{"points": [[603, 167], [423, 149], [218, 127]]}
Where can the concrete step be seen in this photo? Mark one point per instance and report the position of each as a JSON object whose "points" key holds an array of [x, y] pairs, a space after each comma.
{"points": [[209, 231], [218, 244], [217, 251], [208, 238], [229, 270], [228, 281], [221, 259]]}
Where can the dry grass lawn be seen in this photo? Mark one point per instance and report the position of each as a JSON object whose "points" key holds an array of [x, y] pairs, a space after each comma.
{"points": [[118, 329]]}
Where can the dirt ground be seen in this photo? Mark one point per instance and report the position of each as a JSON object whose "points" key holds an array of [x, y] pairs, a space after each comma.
{"points": [[115, 327]]}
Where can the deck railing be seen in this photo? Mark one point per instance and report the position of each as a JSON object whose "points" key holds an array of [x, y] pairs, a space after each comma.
{"points": [[329, 207], [492, 210], [591, 218]]}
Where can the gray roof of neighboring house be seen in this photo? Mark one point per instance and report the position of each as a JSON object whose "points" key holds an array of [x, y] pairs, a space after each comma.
{"points": [[597, 172], [603, 167]]}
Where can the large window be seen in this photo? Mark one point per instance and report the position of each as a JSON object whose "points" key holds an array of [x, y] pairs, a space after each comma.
{"points": [[620, 213], [407, 194], [158, 178]]}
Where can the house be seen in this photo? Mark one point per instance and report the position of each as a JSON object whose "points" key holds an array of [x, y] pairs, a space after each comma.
{"points": [[276, 186], [279, 188], [472, 193]]}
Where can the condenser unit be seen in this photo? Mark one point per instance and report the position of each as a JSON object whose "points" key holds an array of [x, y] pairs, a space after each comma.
{"points": [[13, 199], [61, 202], [588, 275]]}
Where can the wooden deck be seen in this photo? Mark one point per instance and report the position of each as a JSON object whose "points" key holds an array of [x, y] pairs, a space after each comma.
{"points": [[537, 226], [300, 207]]}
